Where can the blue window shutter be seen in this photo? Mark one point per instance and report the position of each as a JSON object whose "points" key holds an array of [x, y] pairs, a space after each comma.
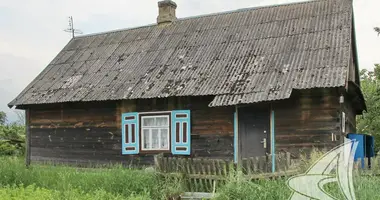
{"points": [[181, 136], [130, 133]]}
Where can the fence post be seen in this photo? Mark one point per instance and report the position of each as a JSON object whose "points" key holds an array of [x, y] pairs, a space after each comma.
{"points": [[288, 160], [201, 175], [269, 163], [156, 163]]}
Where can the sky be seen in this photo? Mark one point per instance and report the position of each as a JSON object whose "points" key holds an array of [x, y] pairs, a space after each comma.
{"points": [[31, 31]]}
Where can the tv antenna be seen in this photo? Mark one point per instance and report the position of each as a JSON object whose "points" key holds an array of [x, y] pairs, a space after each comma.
{"points": [[71, 28]]}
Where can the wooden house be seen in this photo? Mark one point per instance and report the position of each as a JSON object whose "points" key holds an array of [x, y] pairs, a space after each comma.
{"points": [[229, 85]]}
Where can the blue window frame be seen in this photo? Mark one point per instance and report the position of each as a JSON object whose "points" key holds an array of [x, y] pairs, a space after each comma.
{"points": [[156, 132]]}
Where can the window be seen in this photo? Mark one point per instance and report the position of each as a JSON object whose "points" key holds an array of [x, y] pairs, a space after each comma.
{"points": [[155, 133], [167, 131]]}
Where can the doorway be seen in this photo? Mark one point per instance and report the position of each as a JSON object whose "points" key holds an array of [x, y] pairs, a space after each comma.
{"points": [[254, 131]]}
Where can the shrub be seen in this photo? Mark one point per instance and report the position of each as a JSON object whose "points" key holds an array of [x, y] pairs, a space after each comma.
{"points": [[7, 149], [12, 140]]}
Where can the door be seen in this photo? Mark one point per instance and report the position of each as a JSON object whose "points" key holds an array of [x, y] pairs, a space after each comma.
{"points": [[254, 130]]}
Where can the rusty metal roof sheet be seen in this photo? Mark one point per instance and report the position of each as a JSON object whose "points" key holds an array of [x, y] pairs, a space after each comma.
{"points": [[245, 56]]}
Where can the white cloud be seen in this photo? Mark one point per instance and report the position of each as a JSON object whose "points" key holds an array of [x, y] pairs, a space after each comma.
{"points": [[32, 30], [367, 16]]}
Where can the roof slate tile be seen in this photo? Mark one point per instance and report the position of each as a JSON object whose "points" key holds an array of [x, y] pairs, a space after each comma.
{"points": [[245, 56]]}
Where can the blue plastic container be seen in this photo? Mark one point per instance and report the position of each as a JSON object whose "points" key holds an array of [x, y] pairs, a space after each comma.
{"points": [[365, 149]]}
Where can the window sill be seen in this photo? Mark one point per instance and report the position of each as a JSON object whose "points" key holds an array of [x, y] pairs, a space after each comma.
{"points": [[166, 152]]}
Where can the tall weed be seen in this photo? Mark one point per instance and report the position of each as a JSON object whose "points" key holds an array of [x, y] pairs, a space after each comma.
{"points": [[117, 180], [238, 187]]}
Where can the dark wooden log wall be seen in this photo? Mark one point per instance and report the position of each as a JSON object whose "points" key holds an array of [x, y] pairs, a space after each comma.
{"points": [[75, 133], [350, 116], [83, 133], [89, 133], [307, 120], [212, 128]]}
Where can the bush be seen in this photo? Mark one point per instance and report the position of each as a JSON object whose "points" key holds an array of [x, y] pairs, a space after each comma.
{"points": [[12, 140], [7, 149]]}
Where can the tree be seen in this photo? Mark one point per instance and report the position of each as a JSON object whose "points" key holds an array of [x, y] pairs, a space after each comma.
{"points": [[377, 29], [3, 118], [369, 122], [12, 137]]}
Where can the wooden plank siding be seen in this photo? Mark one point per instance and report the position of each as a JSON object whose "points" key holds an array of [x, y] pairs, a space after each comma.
{"points": [[307, 120], [350, 116], [27, 138], [75, 133], [82, 133], [79, 133]]}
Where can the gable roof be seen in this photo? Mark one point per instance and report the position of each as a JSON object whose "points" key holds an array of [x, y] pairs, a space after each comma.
{"points": [[244, 56]]}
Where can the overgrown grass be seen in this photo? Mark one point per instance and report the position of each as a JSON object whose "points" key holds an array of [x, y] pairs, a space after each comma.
{"points": [[117, 181], [32, 192], [67, 183], [366, 187], [238, 188]]}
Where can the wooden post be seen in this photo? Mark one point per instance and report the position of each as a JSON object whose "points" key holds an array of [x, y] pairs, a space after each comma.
{"points": [[269, 164], [342, 119], [27, 138], [157, 163], [288, 160], [236, 136], [369, 163], [272, 140]]}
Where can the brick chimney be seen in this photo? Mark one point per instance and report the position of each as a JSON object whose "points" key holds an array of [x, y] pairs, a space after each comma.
{"points": [[166, 11]]}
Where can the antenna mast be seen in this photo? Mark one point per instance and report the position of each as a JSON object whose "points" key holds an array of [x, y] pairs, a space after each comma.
{"points": [[71, 28]]}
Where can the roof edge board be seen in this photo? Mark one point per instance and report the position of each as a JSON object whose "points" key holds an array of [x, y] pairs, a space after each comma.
{"points": [[355, 48]]}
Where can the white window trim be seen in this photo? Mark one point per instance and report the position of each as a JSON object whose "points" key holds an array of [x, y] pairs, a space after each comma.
{"points": [[150, 133]]}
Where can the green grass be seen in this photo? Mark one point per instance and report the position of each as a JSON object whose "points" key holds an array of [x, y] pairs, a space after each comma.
{"points": [[32, 192], [117, 181], [366, 187], [67, 183]]}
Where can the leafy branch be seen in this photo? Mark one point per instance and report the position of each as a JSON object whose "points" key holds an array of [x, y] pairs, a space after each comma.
{"points": [[369, 123]]}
